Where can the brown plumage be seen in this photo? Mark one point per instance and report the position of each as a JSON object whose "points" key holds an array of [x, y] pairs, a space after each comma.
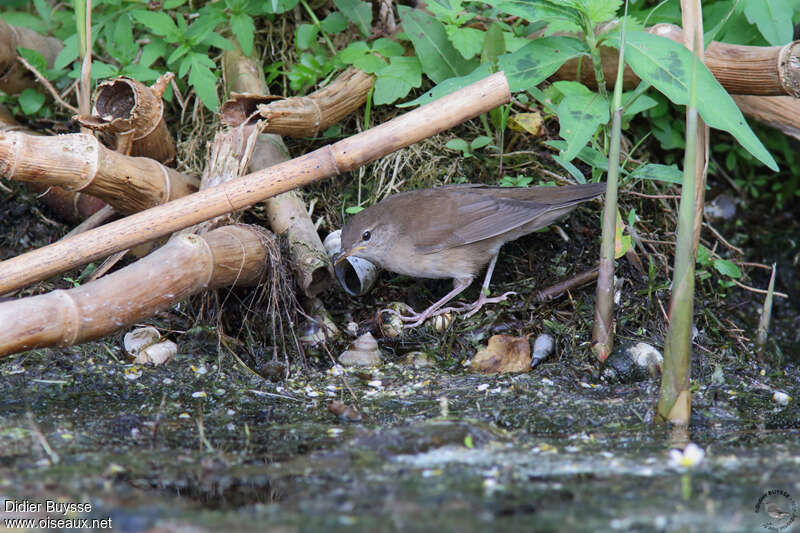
{"points": [[454, 231]]}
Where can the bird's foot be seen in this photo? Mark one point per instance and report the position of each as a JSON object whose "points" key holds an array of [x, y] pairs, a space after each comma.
{"points": [[414, 319], [475, 306]]}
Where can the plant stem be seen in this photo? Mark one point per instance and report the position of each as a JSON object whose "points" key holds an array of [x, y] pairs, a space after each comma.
{"points": [[316, 22]]}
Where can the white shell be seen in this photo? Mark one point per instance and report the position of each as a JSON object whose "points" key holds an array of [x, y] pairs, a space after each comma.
{"points": [[363, 352], [157, 354], [138, 339]]}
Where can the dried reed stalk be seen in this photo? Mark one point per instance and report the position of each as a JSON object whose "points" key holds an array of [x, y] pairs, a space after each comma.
{"points": [[14, 78], [287, 212], [133, 114], [757, 70], [79, 162], [330, 160], [235, 255], [301, 116]]}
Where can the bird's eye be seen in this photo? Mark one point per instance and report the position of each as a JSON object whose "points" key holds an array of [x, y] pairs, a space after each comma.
{"points": [[366, 236]]}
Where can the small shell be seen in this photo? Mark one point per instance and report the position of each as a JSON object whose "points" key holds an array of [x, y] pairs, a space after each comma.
{"points": [[781, 398], [363, 352], [157, 354], [542, 347], [138, 339], [391, 325], [441, 322], [355, 275]]}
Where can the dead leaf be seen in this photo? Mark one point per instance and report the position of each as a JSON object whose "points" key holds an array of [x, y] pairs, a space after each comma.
{"points": [[503, 354]]}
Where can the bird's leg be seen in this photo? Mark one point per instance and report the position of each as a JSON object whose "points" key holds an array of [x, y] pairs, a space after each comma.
{"points": [[483, 298], [433, 310]]}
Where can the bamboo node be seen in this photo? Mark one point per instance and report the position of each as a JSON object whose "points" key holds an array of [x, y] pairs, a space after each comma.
{"points": [[8, 164], [85, 145], [71, 323]]}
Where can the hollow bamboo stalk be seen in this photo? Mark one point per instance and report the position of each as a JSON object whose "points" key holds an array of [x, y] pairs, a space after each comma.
{"points": [[234, 255], [286, 212], [79, 162], [133, 113], [302, 116], [330, 160], [68, 206], [755, 70], [14, 78]]}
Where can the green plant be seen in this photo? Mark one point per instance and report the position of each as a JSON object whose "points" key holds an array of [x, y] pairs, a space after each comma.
{"points": [[467, 149]]}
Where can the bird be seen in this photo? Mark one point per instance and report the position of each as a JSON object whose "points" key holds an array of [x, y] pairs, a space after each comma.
{"points": [[454, 231]]}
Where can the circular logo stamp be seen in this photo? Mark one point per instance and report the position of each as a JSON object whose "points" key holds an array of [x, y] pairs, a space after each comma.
{"points": [[778, 507]]}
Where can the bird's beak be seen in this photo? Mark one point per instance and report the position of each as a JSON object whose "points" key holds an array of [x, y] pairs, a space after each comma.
{"points": [[341, 257]]}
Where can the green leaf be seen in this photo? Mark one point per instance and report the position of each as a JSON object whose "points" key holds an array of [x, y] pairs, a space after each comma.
{"points": [[449, 86], [306, 36], [152, 51], [667, 66], [387, 47], [494, 45], [205, 85], [352, 210], [703, 255], [642, 103], [601, 10], [140, 72], [360, 13], [558, 14], [102, 70], [580, 113], [30, 101], [654, 171], [569, 167], [468, 41], [279, 6], [459, 145], [35, 58], [68, 54], [20, 18], [218, 41], [172, 4], [157, 22], [727, 268], [243, 28], [334, 23], [480, 141], [396, 80], [536, 61], [440, 60], [587, 154], [773, 18]]}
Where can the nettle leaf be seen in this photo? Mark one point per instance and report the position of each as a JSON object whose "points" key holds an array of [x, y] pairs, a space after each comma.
{"points": [[360, 13], [642, 103], [152, 51], [601, 10], [360, 56], [243, 28], [580, 113], [204, 83], [727, 268], [102, 70], [279, 6], [773, 18], [667, 65], [468, 41], [396, 80], [158, 22], [440, 60], [30, 101], [122, 46], [536, 61], [140, 72]]}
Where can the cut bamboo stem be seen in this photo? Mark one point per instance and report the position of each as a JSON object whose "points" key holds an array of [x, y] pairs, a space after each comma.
{"points": [[286, 212], [755, 70], [133, 113], [301, 116], [235, 255], [79, 162], [780, 112], [14, 78], [327, 161]]}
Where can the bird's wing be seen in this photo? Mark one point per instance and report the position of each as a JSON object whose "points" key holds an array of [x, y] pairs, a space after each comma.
{"points": [[474, 217]]}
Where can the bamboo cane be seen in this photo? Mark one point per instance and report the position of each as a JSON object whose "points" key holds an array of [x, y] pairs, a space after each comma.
{"points": [[235, 255], [780, 112], [757, 70], [286, 212], [330, 160], [301, 116], [79, 162], [134, 114]]}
